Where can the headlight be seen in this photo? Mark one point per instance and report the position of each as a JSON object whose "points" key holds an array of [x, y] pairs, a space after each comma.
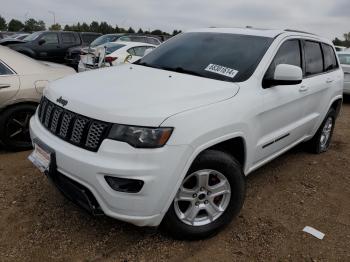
{"points": [[141, 137]]}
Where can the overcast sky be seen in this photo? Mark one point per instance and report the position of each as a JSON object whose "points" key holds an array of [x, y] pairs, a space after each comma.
{"points": [[328, 18]]}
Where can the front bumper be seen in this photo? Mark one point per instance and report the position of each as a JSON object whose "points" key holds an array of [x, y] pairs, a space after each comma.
{"points": [[161, 170]]}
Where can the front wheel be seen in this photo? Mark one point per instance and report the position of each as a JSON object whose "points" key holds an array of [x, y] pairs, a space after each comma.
{"points": [[211, 194], [14, 127]]}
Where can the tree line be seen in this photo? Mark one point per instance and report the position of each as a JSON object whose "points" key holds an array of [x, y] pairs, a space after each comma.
{"points": [[345, 42], [32, 25]]}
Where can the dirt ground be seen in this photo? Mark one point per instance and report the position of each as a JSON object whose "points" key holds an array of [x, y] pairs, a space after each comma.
{"points": [[296, 190]]}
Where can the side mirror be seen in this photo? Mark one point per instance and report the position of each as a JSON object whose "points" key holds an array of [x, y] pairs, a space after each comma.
{"points": [[42, 41], [285, 75], [128, 58]]}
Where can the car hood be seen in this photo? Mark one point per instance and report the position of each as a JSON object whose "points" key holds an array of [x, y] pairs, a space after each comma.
{"points": [[137, 95], [11, 41]]}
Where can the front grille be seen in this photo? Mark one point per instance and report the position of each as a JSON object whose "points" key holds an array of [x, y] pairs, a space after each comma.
{"points": [[73, 128]]}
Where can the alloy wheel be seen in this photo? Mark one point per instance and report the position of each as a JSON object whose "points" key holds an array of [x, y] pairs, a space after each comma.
{"points": [[202, 198]]}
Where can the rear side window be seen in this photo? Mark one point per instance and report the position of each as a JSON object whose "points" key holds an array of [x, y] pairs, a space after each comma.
{"points": [[313, 58], [132, 51], [330, 60], [4, 70], [68, 38], [140, 50], [289, 53], [50, 38]]}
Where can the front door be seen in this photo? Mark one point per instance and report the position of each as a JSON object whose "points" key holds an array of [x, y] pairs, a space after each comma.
{"points": [[280, 122], [48, 47]]}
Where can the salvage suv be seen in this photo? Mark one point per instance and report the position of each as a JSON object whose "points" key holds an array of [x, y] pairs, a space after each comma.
{"points": [[169, 139]]}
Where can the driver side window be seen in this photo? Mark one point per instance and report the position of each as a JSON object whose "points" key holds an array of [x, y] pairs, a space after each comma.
{"points": [[289, 53]]}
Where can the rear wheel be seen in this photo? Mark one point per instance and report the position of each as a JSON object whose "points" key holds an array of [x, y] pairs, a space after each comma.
{"points": [[211, 194], [14, 127], [322, 139]]}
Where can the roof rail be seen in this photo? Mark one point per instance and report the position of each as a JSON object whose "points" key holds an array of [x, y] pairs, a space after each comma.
{"points": [[298, 31]]}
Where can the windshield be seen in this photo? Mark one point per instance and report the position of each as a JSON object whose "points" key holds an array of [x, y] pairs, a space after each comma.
{"points": [[32, 37], [103, 39], [226, 57]]}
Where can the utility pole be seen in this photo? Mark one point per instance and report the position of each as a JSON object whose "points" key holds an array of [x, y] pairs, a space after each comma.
{"points": [[54, 16]]}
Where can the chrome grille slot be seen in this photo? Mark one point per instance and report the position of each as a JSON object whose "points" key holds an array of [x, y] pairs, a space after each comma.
{"points": [[78, 130], [48, 115], [73, 128], [95, 133], [55, 118]]}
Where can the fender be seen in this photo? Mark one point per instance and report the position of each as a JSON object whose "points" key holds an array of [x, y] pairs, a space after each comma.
{"points": [[25, 50], [194, 155]]}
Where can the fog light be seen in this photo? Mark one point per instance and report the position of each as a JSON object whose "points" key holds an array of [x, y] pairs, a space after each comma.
{"points": [[124, 184]]}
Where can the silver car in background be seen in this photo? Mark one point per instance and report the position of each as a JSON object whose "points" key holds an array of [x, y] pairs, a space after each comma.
{"points": [[344, 58]]}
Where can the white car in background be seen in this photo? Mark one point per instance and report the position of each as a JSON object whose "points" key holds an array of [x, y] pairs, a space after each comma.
{"points": [[113, 53], [344, 59], [22, 80]]}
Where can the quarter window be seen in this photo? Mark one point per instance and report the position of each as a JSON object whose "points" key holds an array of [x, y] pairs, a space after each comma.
{"points": [[330, 60], [68, 38], [289, 53], [313, 58]]}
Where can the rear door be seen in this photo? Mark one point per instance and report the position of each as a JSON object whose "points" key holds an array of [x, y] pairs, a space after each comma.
{"points": [[281, 118], [9, 83], [68, 39], [320, 76]]}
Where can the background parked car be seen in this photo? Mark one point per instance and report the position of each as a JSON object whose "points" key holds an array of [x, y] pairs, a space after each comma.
{"points": [[149, 39], [22, 81], [72, 57], [140, 38], [13, 38], [114, 53], [344, 58], [6, 34], [47, 45]]}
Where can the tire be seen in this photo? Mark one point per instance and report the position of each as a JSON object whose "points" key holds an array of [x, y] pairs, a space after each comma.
{"points": [[16, 119], [318, 144], [222, 170]]}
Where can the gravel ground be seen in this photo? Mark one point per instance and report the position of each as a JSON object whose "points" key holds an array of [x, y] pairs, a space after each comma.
{"points": [[296, 190]]}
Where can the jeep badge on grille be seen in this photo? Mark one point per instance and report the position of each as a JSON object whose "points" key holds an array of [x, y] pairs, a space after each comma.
{"points": [[62, 101]]}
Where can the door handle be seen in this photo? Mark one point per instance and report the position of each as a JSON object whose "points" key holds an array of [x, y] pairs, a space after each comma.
{"points": [[329, 80], [303, 88], [4, 86]]}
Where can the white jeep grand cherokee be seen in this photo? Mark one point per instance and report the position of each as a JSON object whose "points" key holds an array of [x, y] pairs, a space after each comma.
{"points": [[169, 140]]}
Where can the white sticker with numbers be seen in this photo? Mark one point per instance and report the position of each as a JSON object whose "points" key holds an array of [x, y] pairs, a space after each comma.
{"points": [[221, 70]]}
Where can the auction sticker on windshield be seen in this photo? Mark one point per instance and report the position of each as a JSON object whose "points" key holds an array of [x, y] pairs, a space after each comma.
{"points": [[221, 70]]}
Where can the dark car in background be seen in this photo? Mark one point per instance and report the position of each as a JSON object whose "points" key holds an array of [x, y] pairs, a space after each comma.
{"points": [[47, 45], [72, 57]]}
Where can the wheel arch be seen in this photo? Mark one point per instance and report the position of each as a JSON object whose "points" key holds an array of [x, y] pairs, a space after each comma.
{"points": [[17, 103], [337, 105]]}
